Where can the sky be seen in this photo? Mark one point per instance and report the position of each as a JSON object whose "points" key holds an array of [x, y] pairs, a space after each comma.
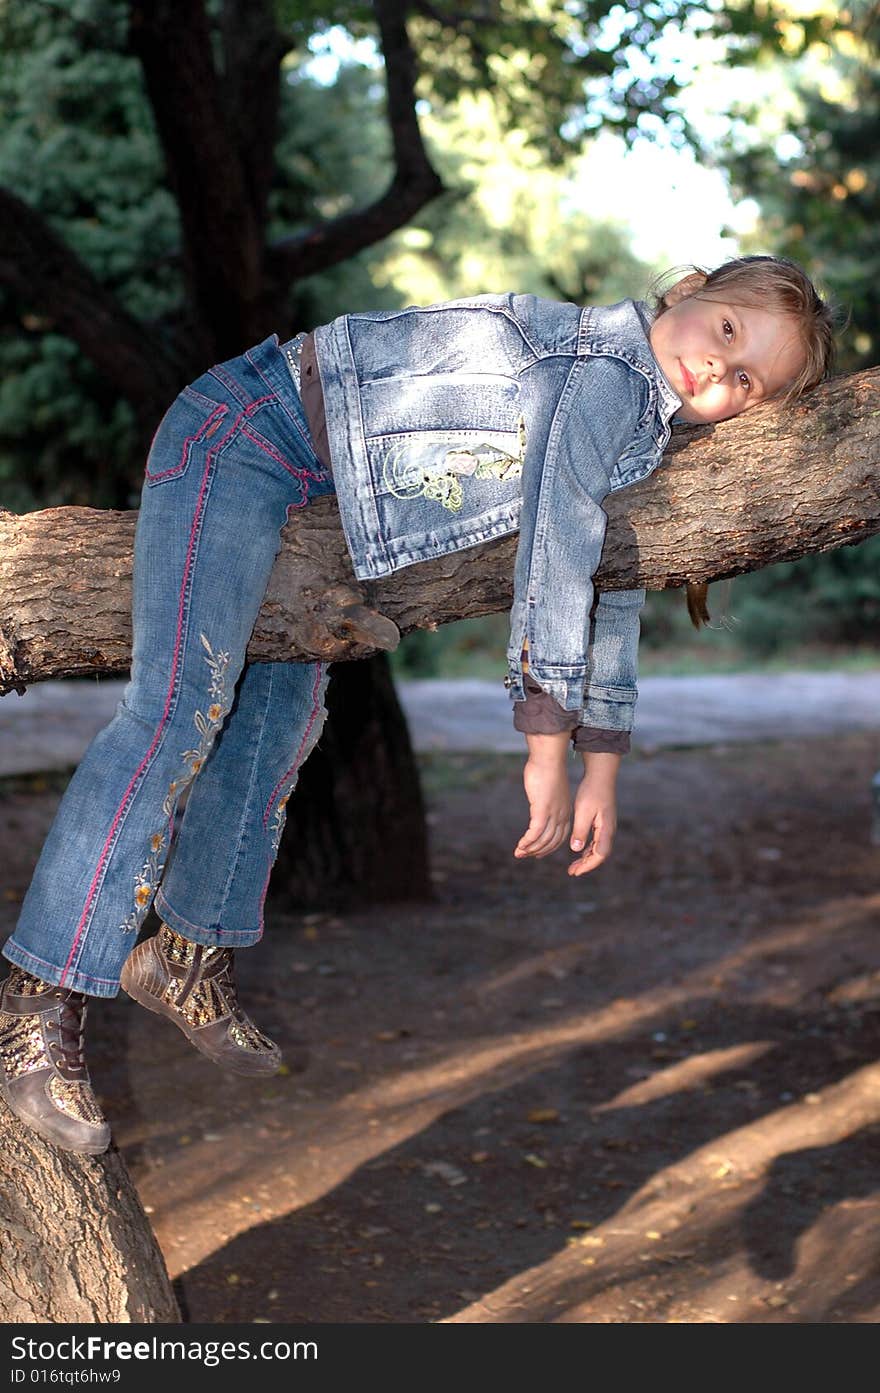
{"points": [[690, 205]]}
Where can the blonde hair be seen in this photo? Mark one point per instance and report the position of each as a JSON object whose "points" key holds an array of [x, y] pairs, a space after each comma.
{"points": [[780, 284]]}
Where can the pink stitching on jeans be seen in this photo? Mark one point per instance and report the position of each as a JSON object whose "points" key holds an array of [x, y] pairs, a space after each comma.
{"points": [[270, 450], [188, 443], [187, 568], [33, 957]]}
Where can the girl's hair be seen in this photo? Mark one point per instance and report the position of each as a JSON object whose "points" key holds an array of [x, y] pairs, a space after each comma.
{"points": [[780, 284], [777, 283]]}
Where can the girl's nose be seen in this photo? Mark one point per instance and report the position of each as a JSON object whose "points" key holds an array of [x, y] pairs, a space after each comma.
{"points": [[717, 369]]}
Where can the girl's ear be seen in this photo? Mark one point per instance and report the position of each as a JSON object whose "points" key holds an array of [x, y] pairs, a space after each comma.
{"points": [[689, 285]]}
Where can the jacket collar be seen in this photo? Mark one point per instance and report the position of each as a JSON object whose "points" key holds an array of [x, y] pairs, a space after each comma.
{"points": [[623, 330]]}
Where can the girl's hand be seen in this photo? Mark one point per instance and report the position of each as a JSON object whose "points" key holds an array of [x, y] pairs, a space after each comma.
{"points": [[595, 814], [545, 778]]}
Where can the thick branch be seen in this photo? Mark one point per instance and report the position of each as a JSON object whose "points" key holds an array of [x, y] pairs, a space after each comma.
{"points": [[771, 486], [414, 184], [48, 279]]}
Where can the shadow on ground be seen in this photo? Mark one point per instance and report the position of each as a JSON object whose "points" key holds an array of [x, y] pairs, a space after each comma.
{"points": [[650, 1095]]}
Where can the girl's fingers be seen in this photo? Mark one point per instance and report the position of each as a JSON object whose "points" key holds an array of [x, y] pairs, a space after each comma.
{"points": [[549, 843], [580, 837], [551, 836], [592, 857], [532, 834]]}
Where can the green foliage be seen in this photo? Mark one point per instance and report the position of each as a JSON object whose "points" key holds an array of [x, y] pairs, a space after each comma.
{"points": [[812, 160], [816, 170], [79, 145]]}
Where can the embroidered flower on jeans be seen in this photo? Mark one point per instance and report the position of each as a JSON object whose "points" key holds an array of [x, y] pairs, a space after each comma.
{"points": [[279, 817]]}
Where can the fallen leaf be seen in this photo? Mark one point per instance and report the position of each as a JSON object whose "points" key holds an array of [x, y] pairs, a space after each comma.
{"points": [[543, 1115], [446, 1171], [534, 1160]]}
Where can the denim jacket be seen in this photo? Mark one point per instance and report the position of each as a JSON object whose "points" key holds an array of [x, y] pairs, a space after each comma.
{"points": [[456, 423]]}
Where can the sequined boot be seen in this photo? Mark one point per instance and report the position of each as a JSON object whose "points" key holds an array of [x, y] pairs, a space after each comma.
{"points": [[43, 1074], [193, 985]]}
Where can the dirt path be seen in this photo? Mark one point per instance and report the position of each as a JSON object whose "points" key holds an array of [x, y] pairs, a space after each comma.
{"points": [[652, 1095]]}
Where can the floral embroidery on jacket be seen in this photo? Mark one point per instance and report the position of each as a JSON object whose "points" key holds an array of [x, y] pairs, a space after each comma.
{"points": [[411, 471], [207, 723]]}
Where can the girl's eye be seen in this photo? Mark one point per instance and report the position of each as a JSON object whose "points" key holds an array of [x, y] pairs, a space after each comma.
{"points": [[728, 328], [744, 380]]}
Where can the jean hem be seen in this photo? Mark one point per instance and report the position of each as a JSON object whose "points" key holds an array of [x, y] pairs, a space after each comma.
{"points": [[196, 933], [49, 972]]}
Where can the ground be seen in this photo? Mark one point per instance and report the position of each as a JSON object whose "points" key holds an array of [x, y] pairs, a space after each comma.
{"points": [[647, 1095]]}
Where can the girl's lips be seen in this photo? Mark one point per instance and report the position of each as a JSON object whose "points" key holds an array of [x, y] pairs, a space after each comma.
{"points": [[688, 379]]}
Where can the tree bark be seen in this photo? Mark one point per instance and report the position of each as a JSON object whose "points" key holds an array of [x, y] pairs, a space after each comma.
{"points": [[773, 485], [77, 1245], [222, 234]]}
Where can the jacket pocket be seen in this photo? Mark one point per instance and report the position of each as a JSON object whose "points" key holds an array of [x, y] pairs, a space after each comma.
{"points": [[437, 465], [191, 421]]}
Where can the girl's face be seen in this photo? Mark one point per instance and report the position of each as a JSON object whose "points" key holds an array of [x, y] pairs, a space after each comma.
{"points": [[723, 358]]}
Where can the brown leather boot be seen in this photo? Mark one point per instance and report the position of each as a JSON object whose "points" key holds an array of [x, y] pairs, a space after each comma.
{"points": [[43, 1074], [193, 986]]}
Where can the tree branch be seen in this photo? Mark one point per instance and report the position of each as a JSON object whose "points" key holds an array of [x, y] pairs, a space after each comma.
{"points": [[773, 485], [414, 184], [48, 279]]}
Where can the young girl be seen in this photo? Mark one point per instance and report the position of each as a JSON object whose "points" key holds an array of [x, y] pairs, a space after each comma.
{"points": [[438, 428]]}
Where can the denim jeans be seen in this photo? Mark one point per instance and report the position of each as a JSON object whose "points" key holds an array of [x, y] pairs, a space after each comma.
{"points": [[231, 457]]}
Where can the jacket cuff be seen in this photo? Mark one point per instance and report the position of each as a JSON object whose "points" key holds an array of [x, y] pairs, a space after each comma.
{"points": [[540, 713], [616, 711]]}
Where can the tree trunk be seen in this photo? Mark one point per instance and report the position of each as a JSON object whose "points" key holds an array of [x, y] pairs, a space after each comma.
{"points": [[77, 1245], [329, 859]]}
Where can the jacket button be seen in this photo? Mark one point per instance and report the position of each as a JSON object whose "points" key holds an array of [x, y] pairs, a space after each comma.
{"points": [[508, 681]]}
